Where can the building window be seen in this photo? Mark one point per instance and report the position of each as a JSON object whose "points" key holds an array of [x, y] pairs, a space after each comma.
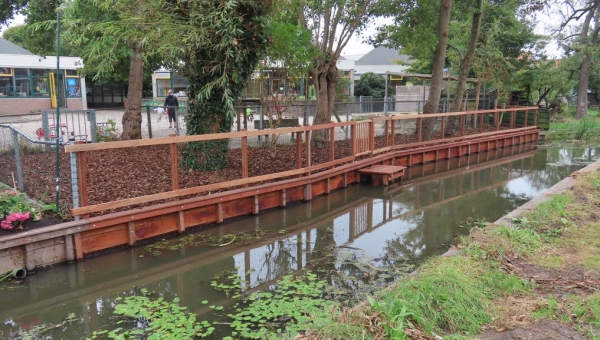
{"points": [[6, 86], [40, 79], [22, 82], [179, 85], [163, 83]]}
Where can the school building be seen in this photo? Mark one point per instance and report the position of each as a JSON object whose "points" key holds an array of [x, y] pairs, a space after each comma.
{"points": [[28, 82]]}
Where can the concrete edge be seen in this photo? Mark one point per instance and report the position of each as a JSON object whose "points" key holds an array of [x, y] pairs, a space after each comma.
{"points": [[559, 188]]}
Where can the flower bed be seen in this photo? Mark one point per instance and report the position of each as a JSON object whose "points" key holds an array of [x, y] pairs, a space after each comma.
{"points": [[15, 209]]}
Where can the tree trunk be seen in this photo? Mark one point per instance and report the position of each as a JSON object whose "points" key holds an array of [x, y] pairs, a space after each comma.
{"points": [[325, 79], [465, 65], [586, 64], [439, 58], [132, 118]]}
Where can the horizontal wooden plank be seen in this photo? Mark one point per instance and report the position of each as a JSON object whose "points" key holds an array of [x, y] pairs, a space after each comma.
{"points": [[382, 169]]}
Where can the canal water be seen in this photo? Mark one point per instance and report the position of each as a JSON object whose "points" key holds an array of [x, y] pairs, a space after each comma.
{"points": [[401, 224]]}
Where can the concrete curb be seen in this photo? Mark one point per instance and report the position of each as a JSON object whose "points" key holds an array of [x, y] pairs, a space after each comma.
{"points": [[559, 188]]}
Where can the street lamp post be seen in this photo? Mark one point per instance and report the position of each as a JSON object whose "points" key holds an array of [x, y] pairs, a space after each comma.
{"points": [[57, 122]]}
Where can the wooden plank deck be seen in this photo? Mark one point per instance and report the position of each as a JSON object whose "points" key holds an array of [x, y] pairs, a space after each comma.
{"points": [[387, 173]]}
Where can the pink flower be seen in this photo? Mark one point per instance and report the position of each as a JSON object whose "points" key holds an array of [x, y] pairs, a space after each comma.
{"points": [[5, 224], [9, 222]]}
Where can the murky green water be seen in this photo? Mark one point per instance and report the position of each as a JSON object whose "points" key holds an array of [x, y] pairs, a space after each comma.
{"points": [[411, 220]]}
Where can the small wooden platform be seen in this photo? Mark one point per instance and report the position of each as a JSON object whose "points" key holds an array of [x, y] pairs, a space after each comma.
{"points": [[387, 173]]}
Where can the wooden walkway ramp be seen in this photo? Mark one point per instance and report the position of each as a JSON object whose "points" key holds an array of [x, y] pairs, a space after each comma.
{"points": [[386, 173]]}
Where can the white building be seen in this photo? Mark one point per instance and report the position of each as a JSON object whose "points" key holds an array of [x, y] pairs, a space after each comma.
{"points": [[27, 81]]}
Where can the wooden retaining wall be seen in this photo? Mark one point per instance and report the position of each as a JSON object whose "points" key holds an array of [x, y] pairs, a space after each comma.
{"points": [[77, 239]]}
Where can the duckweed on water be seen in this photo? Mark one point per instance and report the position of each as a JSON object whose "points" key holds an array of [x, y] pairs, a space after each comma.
{"points": [[145, 317], [194, 240]]}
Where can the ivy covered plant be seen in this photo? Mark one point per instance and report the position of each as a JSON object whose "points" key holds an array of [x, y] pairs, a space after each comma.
{"points": [[15, 209], [229, 38]]}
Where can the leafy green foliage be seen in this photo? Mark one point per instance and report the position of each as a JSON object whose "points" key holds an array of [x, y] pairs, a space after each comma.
{"points": [[107, 132], [371, 84], [8, 9], [38, 40], [148, 318], [296, 302], [222, 44]]}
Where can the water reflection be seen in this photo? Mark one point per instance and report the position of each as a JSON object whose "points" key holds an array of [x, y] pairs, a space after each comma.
{"points": [[407, 221]]}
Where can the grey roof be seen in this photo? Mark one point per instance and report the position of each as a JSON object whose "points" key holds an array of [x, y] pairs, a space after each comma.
{"points": [[381, 56], [6, 47]]}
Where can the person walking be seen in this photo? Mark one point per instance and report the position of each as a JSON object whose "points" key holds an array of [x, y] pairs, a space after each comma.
{"points": [[171, 104]]}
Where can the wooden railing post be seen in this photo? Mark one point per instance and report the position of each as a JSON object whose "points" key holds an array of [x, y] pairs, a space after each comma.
{"points": [[387, 134], [308, 163], [372, 135], [245, 157], [481, 123], [174, 167], [393, 142], [463, 122], [420, 129], [526, 114], [443, 127], [497, 120], [332, 145], [353, 138], [82, 179], [513, 115], [299, 150], [535, 117]]}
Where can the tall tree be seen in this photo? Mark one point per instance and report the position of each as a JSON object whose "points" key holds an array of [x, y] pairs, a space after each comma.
{"points": [[581, 41], [106, 30], [332, 23], [467, 57], [437, 75], [422, 31], [9, 8], [218, 45]]}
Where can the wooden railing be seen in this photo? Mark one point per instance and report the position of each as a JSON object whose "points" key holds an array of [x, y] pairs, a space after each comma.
{"points": [[362, 138]]}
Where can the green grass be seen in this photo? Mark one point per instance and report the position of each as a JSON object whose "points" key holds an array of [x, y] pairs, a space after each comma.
{"points": [[450, 294], [582, 129]]}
